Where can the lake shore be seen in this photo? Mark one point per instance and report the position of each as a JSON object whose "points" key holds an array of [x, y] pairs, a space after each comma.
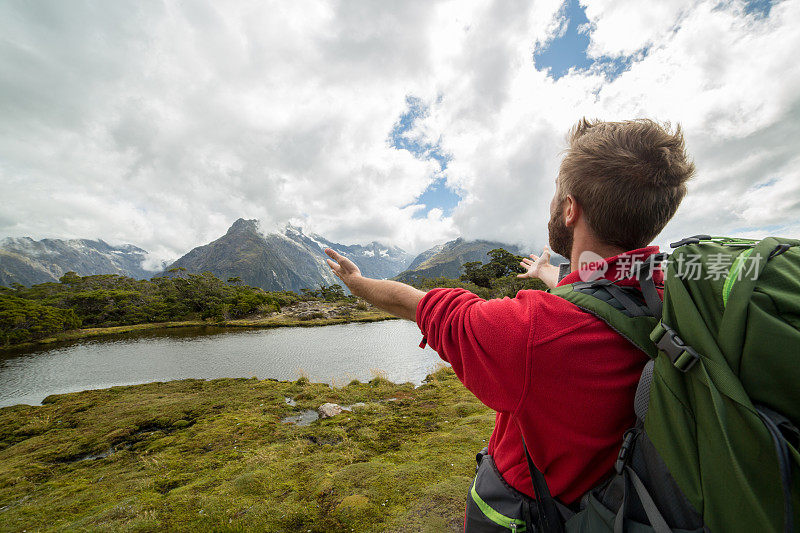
{"points": [[217, 455], [301, 314]]}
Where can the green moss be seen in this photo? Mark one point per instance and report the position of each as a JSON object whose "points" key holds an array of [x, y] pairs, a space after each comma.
{"points": [[215, 456], [358, 511]]}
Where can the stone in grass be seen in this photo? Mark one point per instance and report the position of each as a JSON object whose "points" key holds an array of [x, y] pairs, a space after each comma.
{"points": [[327, 410]]}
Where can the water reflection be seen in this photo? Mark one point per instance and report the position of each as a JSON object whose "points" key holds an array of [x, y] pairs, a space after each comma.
{"points": [[333, 354]]}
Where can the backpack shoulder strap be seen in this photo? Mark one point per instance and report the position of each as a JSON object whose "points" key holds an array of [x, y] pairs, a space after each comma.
{"points": [[622, 308]]}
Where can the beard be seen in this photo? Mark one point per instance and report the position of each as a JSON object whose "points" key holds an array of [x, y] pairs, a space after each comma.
{"points": [[560, 235]]}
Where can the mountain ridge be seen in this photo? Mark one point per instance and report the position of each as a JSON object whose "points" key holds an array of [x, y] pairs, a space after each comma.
{"points": [[27, 261], [446, 260], [284, 260]]}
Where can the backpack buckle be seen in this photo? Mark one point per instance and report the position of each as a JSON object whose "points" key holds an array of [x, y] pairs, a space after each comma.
{"points": [[625, 451], [682, 356]]}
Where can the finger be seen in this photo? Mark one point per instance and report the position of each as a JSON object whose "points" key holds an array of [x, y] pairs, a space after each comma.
{"points": [[339, 258], [525, 275], [334, 265], [534, 257], [526, 261], [344, 262]]}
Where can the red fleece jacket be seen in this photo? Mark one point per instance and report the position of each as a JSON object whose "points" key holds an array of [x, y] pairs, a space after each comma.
{"points": [[560, 373]]}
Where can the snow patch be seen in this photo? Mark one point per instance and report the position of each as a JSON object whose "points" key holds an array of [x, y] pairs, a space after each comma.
{"points": [[321, 245], [287, 239]]}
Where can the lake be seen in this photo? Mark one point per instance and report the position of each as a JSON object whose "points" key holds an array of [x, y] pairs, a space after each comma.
{"points": [[331, 354]]}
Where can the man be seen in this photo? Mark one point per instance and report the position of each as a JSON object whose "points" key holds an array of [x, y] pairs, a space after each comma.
{"points": [[555, 374]]}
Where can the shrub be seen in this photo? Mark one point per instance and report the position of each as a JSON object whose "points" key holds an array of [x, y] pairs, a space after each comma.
{"points": [[24, 320]]}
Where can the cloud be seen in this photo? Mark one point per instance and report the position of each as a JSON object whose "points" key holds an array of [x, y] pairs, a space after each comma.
{"points": [[623, 27], [727, 75], [161, 123]]}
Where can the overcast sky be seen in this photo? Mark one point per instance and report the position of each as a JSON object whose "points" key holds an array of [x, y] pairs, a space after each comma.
{"points": [[410, 123]]}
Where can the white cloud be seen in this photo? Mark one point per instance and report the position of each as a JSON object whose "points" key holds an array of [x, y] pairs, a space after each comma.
{"points": [[622, 27], [161, 123], [731, 79]]}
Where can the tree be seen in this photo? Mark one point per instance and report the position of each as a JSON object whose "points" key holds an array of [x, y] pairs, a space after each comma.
{"points": [[113, 300], [178, 272], [70, 278], [502, 263], [309, 293], [470, 268], [23, 320], [332, 293], [475, 272]]}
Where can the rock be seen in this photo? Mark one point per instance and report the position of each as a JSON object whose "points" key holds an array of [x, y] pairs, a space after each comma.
{"points": [[327, 410]]}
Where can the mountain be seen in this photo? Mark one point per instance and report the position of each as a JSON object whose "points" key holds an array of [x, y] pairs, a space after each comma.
{"points": [[446, 259], [424, 256], [285, 260], [26, 261], [375, 260]]}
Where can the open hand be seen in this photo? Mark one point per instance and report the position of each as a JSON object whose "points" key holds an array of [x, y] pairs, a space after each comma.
{"points": [[538, 266], [535, 264], [345, 269]]}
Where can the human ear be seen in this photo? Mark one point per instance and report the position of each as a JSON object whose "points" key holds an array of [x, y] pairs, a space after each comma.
{"points": [[571, 211]]}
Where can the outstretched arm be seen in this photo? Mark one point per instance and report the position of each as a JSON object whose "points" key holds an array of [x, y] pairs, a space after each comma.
{"points": [[392, 296]]}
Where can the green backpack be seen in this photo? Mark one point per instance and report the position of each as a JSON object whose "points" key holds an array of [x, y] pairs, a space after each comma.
{"points": [[718, 406]]}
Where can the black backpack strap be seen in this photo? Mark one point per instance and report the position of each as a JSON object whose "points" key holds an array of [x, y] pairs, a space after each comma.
{"points": [[551, 513], [657, 521], [625, 299], [775, 422], [643, 271]]}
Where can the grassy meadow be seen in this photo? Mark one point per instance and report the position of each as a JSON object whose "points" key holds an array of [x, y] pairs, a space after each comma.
{"points": [[216, 456]]}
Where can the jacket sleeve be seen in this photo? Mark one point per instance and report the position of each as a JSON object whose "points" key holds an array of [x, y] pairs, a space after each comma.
{"points": [[485, 341]]}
